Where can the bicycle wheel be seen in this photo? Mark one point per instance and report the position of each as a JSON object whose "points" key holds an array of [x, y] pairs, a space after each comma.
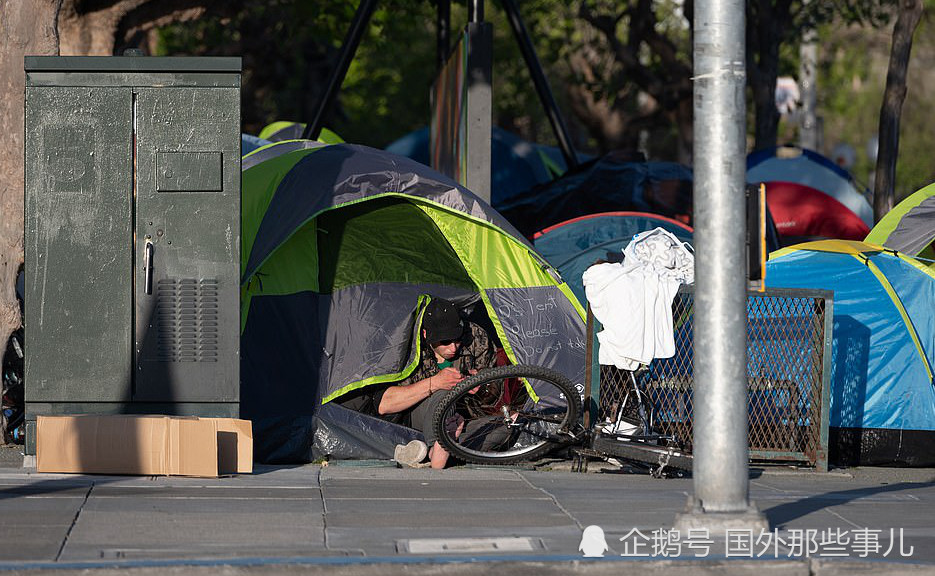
{"points": [[490, 418], [658, 458]]}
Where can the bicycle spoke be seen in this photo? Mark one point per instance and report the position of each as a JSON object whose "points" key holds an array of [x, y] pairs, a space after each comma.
{"points": [[554, 419], [492, 418]]}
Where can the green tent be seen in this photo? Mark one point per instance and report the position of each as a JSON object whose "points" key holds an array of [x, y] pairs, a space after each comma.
{"points": [[284, 130], [341, 245], [909, 227]]}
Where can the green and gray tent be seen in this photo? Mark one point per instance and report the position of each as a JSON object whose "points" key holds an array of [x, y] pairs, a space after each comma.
{"points": [[285, 130], [909, 227], [341, 245]]}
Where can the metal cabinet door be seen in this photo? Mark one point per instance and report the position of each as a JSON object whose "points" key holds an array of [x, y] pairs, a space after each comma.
{"points": [[187, 244], [78, 244]]}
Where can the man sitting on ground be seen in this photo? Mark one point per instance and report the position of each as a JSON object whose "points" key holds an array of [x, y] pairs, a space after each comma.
{"points": [[451, 348]]}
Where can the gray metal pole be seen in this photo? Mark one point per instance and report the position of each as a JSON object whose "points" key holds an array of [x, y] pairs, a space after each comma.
{"points": [[808, 69], [475, 10], [720, 419], [720, 469]]}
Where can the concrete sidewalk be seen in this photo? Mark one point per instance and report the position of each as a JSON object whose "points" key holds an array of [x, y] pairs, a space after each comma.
{"points": [[353, 519]]}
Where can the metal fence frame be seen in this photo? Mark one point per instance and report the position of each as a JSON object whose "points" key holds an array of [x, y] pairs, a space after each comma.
{"points": [[816, 452]]}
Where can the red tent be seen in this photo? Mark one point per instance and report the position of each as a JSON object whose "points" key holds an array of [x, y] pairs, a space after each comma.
{"points": [[802, 211]]}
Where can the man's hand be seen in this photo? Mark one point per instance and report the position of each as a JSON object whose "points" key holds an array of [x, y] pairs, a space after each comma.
{"points": [[446, 379]]}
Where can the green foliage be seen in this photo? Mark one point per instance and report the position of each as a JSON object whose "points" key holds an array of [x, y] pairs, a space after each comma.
{"points": [[286, 45], [851, 84], [516, 104], [386, 91], [850, 94], [290, 46]]}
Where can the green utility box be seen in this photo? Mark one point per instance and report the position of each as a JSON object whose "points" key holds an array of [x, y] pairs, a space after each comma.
{"points": [[132, 236]]}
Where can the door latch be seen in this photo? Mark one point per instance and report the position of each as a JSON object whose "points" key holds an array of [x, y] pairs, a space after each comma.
{"points": [[148, 250]]}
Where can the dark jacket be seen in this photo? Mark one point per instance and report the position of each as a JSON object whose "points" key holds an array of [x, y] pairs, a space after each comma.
{"points": [[476, 352]]}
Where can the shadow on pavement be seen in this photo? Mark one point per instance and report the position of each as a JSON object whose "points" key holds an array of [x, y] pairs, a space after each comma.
{"points": [[80, 484], [780, 515]]}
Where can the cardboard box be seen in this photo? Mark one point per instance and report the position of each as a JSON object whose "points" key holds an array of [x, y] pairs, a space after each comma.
{"points": [[148, 445]]}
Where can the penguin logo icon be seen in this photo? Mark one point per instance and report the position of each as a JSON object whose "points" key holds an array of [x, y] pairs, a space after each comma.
{"points": [[592, 542]]}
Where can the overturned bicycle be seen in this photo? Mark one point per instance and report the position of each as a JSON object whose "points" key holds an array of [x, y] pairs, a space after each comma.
{"points": [[643, 417]]}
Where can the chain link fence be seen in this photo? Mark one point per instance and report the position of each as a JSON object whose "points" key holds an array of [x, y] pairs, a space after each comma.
{"points": [[788, 370]]}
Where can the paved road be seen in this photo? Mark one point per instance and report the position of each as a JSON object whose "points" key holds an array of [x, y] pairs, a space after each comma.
{"points": [[352, 519]]}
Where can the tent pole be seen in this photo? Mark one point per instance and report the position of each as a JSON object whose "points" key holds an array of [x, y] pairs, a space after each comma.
{"points": [[541, 83], [348, 50]]}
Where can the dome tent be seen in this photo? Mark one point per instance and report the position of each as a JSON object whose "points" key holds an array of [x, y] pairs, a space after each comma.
{"points": [[282, 130], [574, 245], [515, 164], [340, 245], [809, 195], [249, 143], [803, 213], [910, 226], [610, 183], [883, 347]]}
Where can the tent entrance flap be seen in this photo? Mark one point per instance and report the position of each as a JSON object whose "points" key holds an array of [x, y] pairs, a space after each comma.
{"points": [[387, 239]]}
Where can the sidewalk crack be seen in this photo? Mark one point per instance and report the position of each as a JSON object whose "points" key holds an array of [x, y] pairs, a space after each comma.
{"points": [[833, 513], [768, 487], [552, 498], [74, 521], [324, 511]]}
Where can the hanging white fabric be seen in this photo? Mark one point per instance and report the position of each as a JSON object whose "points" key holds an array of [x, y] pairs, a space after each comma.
{"points": [[633, 299]]}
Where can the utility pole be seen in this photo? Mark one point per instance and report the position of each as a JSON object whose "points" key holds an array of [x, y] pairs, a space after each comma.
{"points": [[809, 128], [720, 469]]}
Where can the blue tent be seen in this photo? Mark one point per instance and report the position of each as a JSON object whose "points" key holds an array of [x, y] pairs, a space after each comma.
{"points": [[883, 348], [574, 245], [516, 165]]}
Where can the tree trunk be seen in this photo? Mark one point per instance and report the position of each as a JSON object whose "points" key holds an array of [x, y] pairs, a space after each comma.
{"points": [[616, 119], [910, 12], [29, 28], [766, 122], [764, 35], [85, 31]]}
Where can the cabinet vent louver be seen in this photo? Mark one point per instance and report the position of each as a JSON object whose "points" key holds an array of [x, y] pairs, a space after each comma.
{"points": [[187, 320]]}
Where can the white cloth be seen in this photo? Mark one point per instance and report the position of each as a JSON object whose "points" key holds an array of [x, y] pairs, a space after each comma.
{"points": [[633, 298]]}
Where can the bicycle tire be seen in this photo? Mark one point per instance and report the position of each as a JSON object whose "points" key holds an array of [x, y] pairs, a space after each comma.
{"points": [[490, 438], [668, 457]]}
